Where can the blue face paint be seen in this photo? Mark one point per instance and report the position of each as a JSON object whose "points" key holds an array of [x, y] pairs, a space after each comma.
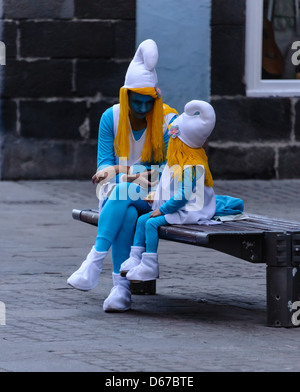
{"points": [[140, 105]]}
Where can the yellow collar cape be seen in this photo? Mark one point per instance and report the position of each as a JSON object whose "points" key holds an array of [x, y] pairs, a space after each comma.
{"points": [[154, 147], [181, 155]]}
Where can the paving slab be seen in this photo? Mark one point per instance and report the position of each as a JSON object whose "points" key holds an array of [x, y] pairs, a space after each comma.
{"points": [[209, 313]]}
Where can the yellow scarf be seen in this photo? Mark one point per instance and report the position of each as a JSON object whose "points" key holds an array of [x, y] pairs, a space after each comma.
{"points": [[180, 154], [154, 147]]}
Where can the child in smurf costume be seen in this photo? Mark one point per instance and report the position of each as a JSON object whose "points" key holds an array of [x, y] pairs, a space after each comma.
{"points": [[185, 176]]}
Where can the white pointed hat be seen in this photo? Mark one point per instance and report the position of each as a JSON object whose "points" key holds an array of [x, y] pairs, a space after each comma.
{"points": [[195, 124], [141, 71]]}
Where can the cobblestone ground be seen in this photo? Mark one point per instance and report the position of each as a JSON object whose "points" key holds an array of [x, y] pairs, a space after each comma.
{"points": [[209, 313]]}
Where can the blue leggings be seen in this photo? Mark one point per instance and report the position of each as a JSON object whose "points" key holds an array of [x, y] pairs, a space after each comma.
{"points": [[117, 221], [146, 233]]}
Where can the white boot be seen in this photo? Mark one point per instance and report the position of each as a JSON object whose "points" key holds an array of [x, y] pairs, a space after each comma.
{"points": [[134, 259], [119, 299], [87, 276], [148, 269]]}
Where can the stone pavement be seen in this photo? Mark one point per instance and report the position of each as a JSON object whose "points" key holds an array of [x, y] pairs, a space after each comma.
{"points": [[209, 313]]}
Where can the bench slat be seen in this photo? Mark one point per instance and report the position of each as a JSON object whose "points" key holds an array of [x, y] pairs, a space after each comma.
{"points": [[254, 224]]}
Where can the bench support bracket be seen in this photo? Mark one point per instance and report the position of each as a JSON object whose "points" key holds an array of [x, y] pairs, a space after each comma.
{"points": [[283, 278]]}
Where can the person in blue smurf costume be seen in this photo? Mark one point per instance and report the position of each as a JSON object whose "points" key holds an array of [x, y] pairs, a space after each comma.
{"points": [[132, 135]]}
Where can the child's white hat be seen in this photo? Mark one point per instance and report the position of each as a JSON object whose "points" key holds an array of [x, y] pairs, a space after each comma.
{"points": [[195, 125], [141, 71]]}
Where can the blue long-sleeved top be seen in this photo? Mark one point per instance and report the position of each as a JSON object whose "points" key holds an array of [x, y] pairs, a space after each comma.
{"points": [[106, 153], [184, 192]]}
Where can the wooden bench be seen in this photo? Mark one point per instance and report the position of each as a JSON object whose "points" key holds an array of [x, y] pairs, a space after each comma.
{"points": [[258, 239]]}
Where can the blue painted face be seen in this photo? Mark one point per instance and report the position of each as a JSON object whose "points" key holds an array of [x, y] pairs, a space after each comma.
{"points": [[140, 105]]}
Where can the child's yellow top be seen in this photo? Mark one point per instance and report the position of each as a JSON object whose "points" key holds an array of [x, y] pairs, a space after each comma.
{"points": [[182, 155]]}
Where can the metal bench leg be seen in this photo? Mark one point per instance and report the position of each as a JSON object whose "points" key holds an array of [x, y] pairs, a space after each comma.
{"points": [[283, 290], [283, 281], [143, 288]]}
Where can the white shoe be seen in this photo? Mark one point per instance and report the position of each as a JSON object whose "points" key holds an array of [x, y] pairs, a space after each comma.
{"points": [[87, 276], [134, 259], [147, 270], [119, 299]]}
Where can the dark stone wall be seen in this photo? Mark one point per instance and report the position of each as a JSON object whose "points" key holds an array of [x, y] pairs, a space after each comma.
{"points": [[66, 61], [254, 138]]}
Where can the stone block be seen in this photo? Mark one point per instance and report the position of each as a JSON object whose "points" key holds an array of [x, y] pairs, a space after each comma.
{"points": [[226, 12], [227, 60], [105, 9], [28, 9], [43, 78], [252, 119], [95, 113], [125, 39], [8, 113], [9, 37], [289, 162], [66, 39], [52, 120], [242, 163], [104, 76], [33, 159], [85, 162]]}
